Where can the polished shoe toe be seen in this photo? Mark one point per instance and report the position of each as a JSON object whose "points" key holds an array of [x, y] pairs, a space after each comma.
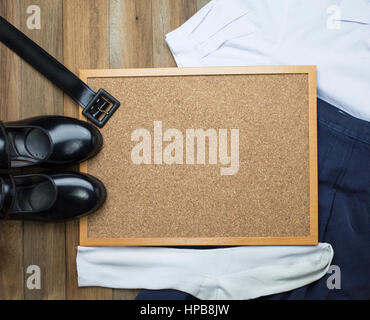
{"points": [[47, 141], [50, 196]]}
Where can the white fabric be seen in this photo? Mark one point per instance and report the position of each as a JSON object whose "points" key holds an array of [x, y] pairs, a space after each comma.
{"points": [[332, 34], [218, 274]]}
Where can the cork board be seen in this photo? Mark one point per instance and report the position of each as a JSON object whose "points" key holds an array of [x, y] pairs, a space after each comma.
{"points": [[207, 156]]}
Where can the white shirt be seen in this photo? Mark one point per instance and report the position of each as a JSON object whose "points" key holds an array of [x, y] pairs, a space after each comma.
{"points": [[332, 34]]}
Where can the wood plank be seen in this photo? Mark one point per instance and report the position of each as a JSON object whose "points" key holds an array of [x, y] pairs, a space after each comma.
{"points": [[131, 40], [44, 244], [87, 48], [125, 294], [10, 64], [167, 16], [201, 3], [11, 233], [131, 37]]}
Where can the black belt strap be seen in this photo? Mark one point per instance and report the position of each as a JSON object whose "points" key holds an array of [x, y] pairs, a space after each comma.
{"points": [[98, 106]]}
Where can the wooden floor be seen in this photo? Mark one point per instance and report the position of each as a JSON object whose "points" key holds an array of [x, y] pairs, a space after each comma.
{"points": [[82, 34]]}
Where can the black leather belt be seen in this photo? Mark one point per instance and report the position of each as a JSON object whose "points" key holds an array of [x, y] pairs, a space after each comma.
{"points": [[98, 106]]}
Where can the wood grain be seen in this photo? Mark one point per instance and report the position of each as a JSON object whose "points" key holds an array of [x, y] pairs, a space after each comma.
{"points": [[125, 294], [44, 244], [131, 36], [87, 48], [131, 39], [201, 3], [10, 67], [11, 233], [167, 16]]}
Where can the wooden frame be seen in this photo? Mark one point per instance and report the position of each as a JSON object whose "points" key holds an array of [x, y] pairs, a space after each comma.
{"points": [[312, 239]]}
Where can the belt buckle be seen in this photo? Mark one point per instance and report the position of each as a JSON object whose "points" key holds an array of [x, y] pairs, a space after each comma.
{"points": [[101, 108]]}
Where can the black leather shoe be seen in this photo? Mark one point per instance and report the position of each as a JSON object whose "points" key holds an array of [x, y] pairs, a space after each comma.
{"points": [[47, 141], [49, 196]]}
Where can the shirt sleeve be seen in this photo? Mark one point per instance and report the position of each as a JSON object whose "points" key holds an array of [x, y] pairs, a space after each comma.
{"points": [[229, 32]]}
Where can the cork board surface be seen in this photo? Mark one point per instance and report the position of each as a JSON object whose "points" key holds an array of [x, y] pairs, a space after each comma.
{"points": [[269, 195]]}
